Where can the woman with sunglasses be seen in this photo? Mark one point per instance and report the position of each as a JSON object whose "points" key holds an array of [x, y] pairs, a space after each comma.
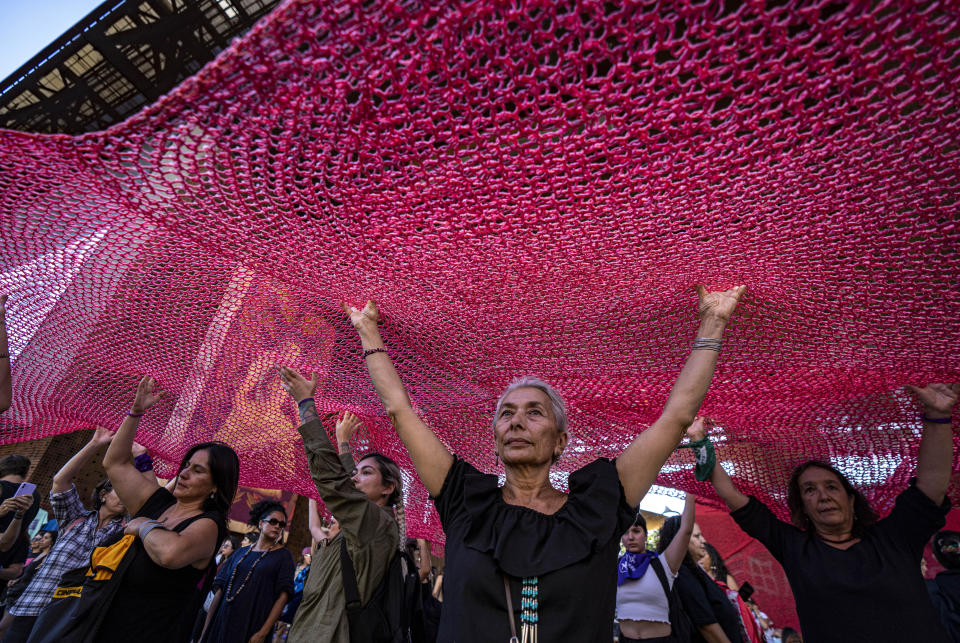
{"points": [[252, 587]]}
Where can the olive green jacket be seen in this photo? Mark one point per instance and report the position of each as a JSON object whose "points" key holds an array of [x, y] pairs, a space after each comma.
{"points": [[372, 539]]}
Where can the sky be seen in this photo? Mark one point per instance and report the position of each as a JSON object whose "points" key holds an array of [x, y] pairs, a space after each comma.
{"points": [[27, 26]]}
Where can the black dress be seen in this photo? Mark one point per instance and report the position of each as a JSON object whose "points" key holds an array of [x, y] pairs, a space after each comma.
{"points": [[239, 619], [871, 592], [573, 553], [154, 604]]}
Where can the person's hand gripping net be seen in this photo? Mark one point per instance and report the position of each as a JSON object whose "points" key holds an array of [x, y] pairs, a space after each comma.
{"points": [[299, 387]]}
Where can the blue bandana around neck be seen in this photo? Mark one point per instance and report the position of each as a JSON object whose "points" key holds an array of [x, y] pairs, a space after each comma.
{"points": [[633, 566]]}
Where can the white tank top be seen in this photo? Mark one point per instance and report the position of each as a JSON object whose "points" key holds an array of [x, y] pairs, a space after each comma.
{"points": [[643, 599]]}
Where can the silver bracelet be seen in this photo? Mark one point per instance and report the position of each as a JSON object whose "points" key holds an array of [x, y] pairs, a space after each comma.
{"points": [[147, 527], [707, 343]]}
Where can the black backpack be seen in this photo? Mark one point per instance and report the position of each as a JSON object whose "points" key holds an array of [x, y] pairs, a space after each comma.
{"points": [[680, 625], [389, 614]]}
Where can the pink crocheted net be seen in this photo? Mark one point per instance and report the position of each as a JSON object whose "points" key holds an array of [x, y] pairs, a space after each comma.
{"points": [[525, 188]]}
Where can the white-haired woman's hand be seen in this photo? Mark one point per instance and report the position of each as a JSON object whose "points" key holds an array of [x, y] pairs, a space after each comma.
{"points": [[718, 305], [938, 399]]}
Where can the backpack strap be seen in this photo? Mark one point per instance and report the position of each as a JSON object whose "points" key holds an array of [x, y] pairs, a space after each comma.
{"points": [[662, 575], [350, 590]]}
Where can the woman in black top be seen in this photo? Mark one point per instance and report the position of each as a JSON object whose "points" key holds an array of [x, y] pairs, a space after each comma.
{"points": [[712, 615], [543, 546], [177, 533], [252, 587], [856, 578]]}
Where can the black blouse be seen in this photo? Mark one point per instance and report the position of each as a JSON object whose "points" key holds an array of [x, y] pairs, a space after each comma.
{"points": [[572, 552]]}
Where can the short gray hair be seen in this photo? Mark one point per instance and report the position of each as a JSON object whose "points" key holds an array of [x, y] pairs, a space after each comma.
{"points": [[559, 408]]}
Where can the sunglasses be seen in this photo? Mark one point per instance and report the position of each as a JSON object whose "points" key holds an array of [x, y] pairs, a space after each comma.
{"points": [[275, 522]]}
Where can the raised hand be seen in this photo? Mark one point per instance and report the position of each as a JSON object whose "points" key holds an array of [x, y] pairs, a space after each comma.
{"points": [[101, 436], [366, 318], [938, 399], [718, 305], [697, 430], [147, 395], [346, 427], [299, 387]]}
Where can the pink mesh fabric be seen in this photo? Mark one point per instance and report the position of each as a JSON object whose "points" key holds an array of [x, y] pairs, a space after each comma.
{"points": [[526, 188]]}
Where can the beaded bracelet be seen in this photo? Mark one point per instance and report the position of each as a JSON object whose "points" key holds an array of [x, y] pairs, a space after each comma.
{"points": [[370, 351]]}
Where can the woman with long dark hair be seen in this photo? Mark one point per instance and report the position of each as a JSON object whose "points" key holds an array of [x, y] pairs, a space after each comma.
{"points": [[836, 552], [252, 587], [366, 499], [715, 567], [177, 534]]}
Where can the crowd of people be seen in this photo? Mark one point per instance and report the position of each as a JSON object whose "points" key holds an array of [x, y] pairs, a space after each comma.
{"points": [[152, 560]]}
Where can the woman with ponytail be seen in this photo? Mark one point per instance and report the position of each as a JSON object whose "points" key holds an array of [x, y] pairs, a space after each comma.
{"points": [[252, 587], [366, 499]]}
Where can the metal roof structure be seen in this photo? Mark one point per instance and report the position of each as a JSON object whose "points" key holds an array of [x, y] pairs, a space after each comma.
{"points": [[122, 56]]}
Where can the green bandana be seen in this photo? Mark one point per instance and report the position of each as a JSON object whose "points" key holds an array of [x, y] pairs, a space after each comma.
{"points": [[706, 458]]}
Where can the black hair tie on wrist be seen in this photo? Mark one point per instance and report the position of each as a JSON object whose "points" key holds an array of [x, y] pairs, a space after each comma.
{"points": [[938, 420]]}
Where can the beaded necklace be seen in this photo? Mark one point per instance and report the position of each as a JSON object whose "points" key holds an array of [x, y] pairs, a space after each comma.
{"points": [[529, 609], [226, 595]]}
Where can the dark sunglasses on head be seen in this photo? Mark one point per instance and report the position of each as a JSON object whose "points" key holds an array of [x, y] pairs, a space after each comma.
{"points": [[275, 522]]}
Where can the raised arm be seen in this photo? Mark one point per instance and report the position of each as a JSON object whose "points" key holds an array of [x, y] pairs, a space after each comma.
{"points": [[63, 479], [935, 459], [315, 522], [133, 488], [677, 548], [640, 463], [360, 519], [430, 457], [6, 382], [721, 482]]}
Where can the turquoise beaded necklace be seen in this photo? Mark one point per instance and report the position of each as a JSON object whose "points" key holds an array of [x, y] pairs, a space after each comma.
{"points": [[529, 609]]}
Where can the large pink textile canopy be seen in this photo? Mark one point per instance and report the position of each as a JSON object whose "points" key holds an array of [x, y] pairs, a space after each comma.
{"points": [[525, 188]]}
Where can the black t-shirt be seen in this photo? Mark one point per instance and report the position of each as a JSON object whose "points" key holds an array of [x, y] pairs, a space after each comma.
{"points": [[705, 603], [573, 553], [21, 549], [873, 591]]}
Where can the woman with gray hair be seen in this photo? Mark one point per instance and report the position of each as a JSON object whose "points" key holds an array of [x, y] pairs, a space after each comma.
{"points": [[527, 552]]}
